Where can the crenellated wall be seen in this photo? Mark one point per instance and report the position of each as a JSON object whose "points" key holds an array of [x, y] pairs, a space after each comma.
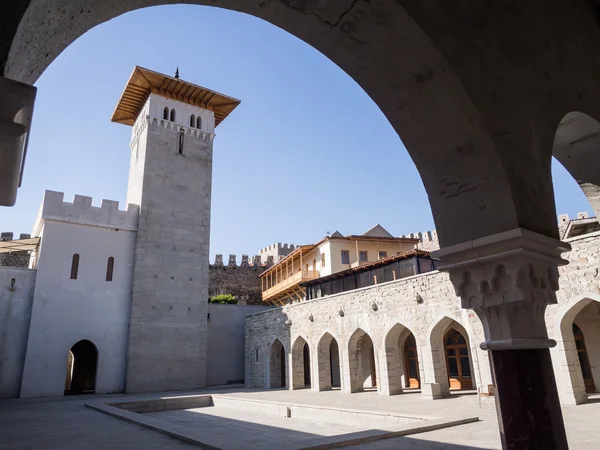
{"points": [[276, 251], [240, 281], [82, 212], [14, 259]]}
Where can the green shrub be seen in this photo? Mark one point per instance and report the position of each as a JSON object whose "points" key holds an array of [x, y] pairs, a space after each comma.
{"points": [[223, 299]]}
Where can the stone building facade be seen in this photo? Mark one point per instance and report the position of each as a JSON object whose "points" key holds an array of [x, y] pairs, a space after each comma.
{"points": [[241, 281], [369, 330]]}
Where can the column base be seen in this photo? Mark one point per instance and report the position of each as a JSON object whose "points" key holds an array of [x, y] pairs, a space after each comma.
{"points": [[431, 391]]}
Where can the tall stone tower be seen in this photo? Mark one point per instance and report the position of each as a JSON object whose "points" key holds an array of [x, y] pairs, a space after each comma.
{"points": [[170, 179]]}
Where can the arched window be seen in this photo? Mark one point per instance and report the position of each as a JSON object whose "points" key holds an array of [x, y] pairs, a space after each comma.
{"points": [[173, 115], [110, 265], [199, 123], [180, 146], [74, 266], [192, 121], [166, 113]]}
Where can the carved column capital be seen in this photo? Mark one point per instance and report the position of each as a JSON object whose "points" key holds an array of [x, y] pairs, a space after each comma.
{"points": [[508, 279]]}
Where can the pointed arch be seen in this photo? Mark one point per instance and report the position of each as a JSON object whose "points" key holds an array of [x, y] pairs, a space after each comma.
{"points": [[362, 361], [82, 366], [580, 340], [277, 368], [449, 358], [397, 362], [328, 363], [301, 364]]}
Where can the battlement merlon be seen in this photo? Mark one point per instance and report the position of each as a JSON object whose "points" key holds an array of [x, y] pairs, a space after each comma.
{"points": [[82, 212]]}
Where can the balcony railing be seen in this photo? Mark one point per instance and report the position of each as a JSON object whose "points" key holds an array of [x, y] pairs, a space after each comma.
{"points": [[290, 281]]}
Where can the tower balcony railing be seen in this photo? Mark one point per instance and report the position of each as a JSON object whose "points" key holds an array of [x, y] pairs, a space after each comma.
{"points": [[289, 282]]}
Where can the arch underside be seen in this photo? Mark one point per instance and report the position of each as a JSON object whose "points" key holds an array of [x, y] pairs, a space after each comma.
{"points": [[469, 154]]}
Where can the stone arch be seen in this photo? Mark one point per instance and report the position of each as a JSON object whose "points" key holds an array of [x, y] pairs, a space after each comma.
{"points": [[362, 358], [437, 336], [328, 363], [395, 363], [578, 380], [577, 147], [421, 94], [301, 364], [82, 368], [277, 367]]}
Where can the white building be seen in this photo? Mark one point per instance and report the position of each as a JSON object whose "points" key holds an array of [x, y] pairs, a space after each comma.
{"points": [[117, 300]]}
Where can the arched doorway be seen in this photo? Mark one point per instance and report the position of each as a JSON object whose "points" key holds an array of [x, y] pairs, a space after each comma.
{"points": [[82, 364], [584, 360], [412, 378], [363, 372], [328, 363], [458, 363], [277, 376], [301, 364]]}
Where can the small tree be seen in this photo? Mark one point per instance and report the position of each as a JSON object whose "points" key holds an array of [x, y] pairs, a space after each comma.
{"points": [[223, 299]]}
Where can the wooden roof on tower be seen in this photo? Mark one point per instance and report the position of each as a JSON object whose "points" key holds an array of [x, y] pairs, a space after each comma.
{"points": [[144, 82]]}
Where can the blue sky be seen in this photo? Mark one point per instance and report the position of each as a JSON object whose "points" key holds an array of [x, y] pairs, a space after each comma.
{"points": [[290, 163]]}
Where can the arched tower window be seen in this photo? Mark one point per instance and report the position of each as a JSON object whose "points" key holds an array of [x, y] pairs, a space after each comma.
{"points": [[199, 123], [110, 265], [192, 121], [74, 266], [173, 115], [166, 113]]}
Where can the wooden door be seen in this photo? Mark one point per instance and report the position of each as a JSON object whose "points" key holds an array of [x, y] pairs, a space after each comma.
{"points": [[458, 363], [584, 361], [411, 363]]}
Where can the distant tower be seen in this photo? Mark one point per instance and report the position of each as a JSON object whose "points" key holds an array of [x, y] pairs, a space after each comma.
{"points": [[170, 179]]}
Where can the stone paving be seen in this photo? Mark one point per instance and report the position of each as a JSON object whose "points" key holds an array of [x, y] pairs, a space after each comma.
{"points": [[64, 423]]}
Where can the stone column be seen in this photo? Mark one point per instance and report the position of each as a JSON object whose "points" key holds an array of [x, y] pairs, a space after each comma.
{"points": [[508, 279], [16, 110]]}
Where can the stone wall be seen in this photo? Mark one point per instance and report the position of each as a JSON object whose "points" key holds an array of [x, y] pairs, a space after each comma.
{"points": [[15, 317], [240, 281], [427, 306], [225, 357], [14, 259]]}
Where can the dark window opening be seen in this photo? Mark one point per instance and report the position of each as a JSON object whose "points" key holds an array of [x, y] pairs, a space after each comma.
{"points": [[166, 113], [180, 147], [74, 266], [192, 121], [199, 123], [109, 268], [173, 115]]}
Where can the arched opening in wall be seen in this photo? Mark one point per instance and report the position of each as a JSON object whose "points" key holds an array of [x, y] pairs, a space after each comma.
{"points": [[412, 377], [576, 147], [301, 364], [173, 115], [277, 372], [199, 122], [458, 362], [451, 356], [362, 366], [82, 365], [580, 330], [328, 363], [166, 113], [192, 121], [401, 359]]}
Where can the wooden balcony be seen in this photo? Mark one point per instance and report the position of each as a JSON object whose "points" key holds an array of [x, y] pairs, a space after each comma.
{"points": [[289, 285]]}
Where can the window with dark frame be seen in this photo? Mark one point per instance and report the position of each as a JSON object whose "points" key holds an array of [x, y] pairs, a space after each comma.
{"points": [[166, 113], [363, 256], [192, 121], [345, 256], [382, 255], [322, 259], [74, 266], [173, 115], [180, 147], [110, 265]]}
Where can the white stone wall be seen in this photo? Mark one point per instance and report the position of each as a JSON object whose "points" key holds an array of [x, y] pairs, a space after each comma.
{"points": [[397, 310], [167, 340], [66, 311], [15, 316]]}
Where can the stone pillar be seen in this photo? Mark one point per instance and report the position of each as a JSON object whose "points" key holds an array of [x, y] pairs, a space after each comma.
{"points": [[508, 279], [16, 110]]}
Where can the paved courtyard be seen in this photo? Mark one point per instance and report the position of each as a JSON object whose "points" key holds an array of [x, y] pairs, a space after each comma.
{"points": [[65, 423]]}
